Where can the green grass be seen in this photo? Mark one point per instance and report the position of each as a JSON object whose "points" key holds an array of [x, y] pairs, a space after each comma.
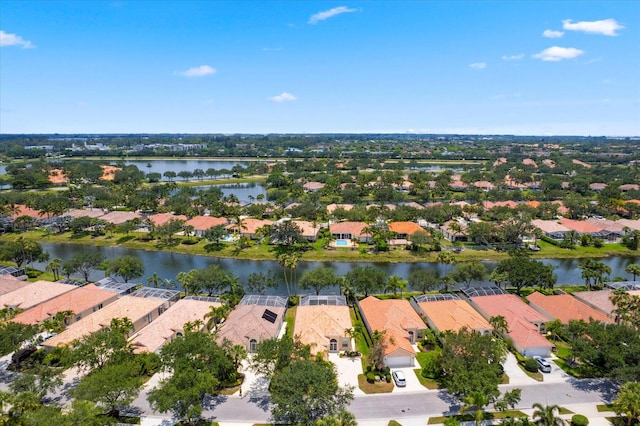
{"points": [[393, 423], [290, 318], [371, 388], [427, 383], [602, 408], [564, 410], [494, 415], [424, 357]]}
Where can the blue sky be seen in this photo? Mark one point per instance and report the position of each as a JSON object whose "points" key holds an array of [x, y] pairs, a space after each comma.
{"points": [[506, 67]]}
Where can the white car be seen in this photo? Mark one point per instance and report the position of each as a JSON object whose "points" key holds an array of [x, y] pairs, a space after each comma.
{"points": [[543, 365], [398, 378]]}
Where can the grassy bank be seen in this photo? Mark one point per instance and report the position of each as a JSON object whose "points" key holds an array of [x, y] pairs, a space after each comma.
{"points": [[316, 252]]}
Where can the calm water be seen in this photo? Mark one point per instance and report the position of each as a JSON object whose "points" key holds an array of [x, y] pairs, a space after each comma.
{"points": [[161, 166], [168, 265], [241, 190]]}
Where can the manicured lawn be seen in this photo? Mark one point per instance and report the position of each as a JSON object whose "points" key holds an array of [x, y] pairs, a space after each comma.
{"points": [[369, 388], [290, 318], [427, 383], [494, 415], [565, 411], [604, 408]]}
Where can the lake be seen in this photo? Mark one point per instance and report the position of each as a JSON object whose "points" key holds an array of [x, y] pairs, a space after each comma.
{"points": [[168, 265], [189, 165]]}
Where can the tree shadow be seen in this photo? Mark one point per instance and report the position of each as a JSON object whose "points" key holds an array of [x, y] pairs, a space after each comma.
{"points": [[605, 387], [454, 403]]}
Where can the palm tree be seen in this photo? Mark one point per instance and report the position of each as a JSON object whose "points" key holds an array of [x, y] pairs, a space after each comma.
{"points": [[154, 279], [633, 269], [476, 401], [395, 283], [54, 267], [499, 324], [216, 316], [545, 415], [628, 401]]}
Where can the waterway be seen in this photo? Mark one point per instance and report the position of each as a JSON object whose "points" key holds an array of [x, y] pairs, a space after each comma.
{"points": [[168, 265]]}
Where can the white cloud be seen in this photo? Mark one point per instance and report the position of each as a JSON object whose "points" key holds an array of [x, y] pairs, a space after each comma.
{"points": [[478, 65], [513, 57], [200, 71], [7, 39], [283, 97], [552, 34], [606, 27], [326, 14], [555, 53]]}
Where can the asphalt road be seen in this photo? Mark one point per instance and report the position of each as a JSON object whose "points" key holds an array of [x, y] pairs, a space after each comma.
{"points": [[426, 403]]}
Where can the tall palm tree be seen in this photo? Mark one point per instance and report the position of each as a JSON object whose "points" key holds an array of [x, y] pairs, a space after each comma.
{"points": [[633, 269], [54, 267], [545, 415], [154, 279], [476, 401]]}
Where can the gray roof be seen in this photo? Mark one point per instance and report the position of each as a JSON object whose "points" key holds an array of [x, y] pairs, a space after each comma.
{"points": [[482, 291], [12, 270], [203, 299], [332, 300], [72, 282], [435, 297], [110, 284], [264, 300], [625, 285], [156, 293]]}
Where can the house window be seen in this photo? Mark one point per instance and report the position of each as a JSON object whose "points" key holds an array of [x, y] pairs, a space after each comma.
{"points": [[149, 317], [412, 338], [333, 345], [252, 345], [345, 343], [178, 334], [78, 317]]}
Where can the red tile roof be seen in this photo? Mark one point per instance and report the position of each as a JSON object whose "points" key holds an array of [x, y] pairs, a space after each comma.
{"points": [[565, 308], [202, 223], [408, 228], [356, 229], [162, 218]]}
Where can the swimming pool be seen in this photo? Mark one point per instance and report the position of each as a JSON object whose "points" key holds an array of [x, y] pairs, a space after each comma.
{"points": [[342, 243]]}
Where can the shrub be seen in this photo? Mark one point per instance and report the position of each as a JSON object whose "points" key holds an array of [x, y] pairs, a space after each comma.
{"points": [[371, 377], [387, 378], [579, 420], [530, 365], [550, 240], [598, 243], [386, 371]]}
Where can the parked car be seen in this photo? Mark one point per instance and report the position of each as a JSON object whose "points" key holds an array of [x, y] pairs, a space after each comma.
{"points": [[398, 378], [534, 248], [543, 364]]}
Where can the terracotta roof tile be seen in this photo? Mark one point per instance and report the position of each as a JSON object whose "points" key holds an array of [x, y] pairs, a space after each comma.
{"points": [[33, 293], [315, 324], [409, 228], [245, 322], [453, 315], [202, 223], [565, 308]]}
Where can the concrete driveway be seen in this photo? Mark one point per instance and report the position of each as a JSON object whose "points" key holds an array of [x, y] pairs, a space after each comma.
{"points": [[515, 373], [557, 374], [413, 384], [348, 370]]}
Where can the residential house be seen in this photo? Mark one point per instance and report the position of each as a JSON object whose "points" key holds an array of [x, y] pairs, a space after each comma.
{"points": [[551, 228], [583, 227], [404, 230], [249, 227], [629, 187], [162, 218], [32, 294], [484, 185], [81, 301], [321, 322], [447, 312], [254, 319], [118, 217], [333, 207], [312, 186], [525, 325], [171, 323], [203, 223], [400, 324], [350, 231], [308, 230], [598, 299], [76, 213], [139, 310], [9, 283], [565, 308]]}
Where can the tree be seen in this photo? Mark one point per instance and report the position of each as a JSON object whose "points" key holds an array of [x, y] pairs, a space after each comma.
{"points": [[627, 307], [212, 279], [628, 402], [469, 271], [112, 386], [84, 263], [593, 271], [472, 362], [128, 267], [108, 345], [12, 334], [22, 251], [545, 415], [318, 279], [258, 282], [215, 233], [419, 239], [499, 324], [286, 233], [306, 391], [395, 283], [476, 401], [166, 231], [633, 269], [54, 267], [377, 350], [366, 279], [274, 355], [520, 271], [424, 280], [200, 367], [216, 315]]}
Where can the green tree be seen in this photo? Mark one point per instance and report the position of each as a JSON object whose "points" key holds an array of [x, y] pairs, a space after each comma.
{"points": [[54, 267], [12, 334], [84, 263], [366, 279], [318, 279], [468, 272], [633, 269], [108, 345], [258, 282], [476, 402], [545, 415], [627, 402], [166, 231], [520, 271], [22, 251], [306, 391], [424, 280], [112, 386], [128, 267], [215, 233], [472, 362]]}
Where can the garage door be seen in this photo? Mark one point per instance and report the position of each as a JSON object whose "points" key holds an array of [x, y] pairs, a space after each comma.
{"points": [[399, 361]]}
